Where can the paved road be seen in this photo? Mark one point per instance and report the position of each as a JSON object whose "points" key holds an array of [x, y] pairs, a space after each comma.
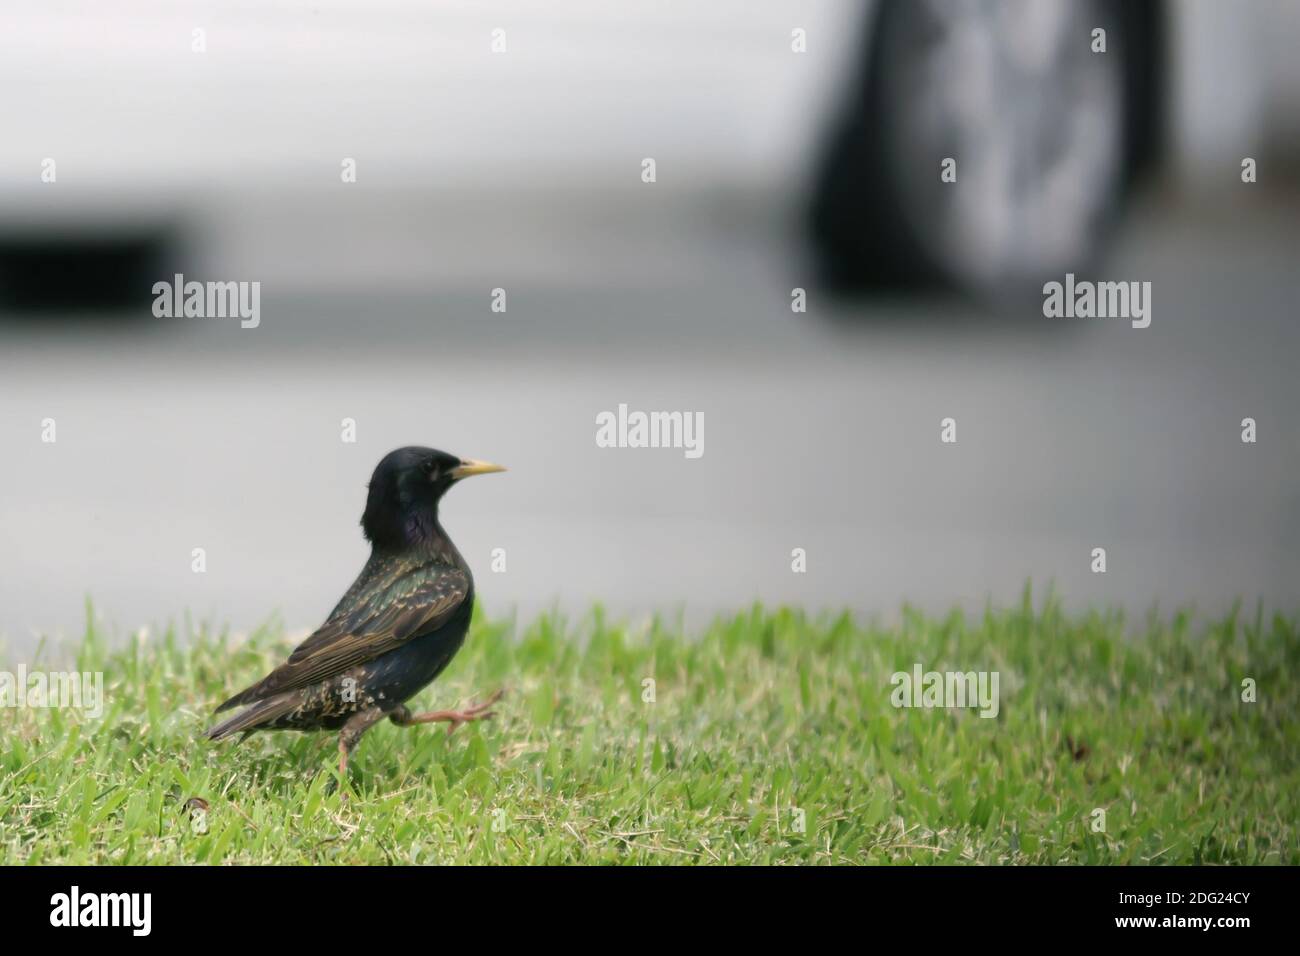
{"points": [[822, 433]]}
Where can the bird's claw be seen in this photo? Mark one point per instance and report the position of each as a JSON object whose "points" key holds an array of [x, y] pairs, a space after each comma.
{"points": [[474, 712]]}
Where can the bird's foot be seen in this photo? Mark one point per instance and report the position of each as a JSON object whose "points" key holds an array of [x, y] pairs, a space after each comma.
{"points": [[454, 718], [341, 786], [356, 725]]}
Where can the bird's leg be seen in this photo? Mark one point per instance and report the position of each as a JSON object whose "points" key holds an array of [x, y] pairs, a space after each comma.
{"points": [[357, 725], [404, 718]]}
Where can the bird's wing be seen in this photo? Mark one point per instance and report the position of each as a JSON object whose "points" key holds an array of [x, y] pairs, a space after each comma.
{"points": [[411, 605]]}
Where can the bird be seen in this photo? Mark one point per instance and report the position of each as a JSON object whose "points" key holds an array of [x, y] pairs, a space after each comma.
{"points": [[395, 630]]}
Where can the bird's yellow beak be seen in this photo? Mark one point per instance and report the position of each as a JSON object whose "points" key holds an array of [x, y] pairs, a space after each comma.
{"points": [[469, 466]]}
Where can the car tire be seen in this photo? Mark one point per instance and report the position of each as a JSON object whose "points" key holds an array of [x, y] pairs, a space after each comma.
{"points": [[1038, 125]]}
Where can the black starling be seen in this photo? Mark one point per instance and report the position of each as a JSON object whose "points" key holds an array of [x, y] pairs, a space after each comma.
{"points": [[395, 629]]}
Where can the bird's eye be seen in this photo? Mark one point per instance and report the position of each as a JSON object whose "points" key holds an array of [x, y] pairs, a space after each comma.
{"points": [[430, 467]]}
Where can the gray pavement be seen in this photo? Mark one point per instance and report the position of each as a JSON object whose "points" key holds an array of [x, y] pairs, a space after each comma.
{"points": [[822, 433]]}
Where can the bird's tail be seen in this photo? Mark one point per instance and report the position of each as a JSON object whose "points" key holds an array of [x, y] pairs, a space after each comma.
{"points": [[245, 696], [259, 715]]}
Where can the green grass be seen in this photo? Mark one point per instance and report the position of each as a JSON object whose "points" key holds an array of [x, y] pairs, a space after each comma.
{"points": [[754, 717]]}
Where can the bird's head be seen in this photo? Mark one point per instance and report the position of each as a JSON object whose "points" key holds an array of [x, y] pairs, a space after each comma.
{"points": [[402, 506]]}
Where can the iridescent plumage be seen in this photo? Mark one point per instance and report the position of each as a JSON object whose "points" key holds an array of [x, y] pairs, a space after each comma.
{"points": [[396, 628]]}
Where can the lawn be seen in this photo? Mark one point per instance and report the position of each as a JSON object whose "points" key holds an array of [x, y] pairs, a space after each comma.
{"points": [[770, 738]]}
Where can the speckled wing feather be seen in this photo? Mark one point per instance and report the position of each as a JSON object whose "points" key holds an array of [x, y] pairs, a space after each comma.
{"points": [[386, 607]]}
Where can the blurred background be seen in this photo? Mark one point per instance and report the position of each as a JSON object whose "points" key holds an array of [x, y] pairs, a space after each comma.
{"points": [[795, 145]]}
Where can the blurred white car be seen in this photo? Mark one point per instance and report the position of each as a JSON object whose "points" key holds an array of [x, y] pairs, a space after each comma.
{"points": [[142, 111]]}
